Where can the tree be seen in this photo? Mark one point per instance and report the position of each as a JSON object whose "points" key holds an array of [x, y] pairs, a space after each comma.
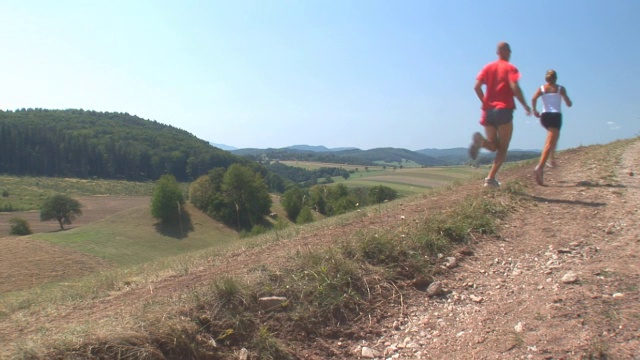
{"points": [[292, 202], [201, 193], [62, 208], [305, 216], [167, 200], [245, 190], [380, 193]]}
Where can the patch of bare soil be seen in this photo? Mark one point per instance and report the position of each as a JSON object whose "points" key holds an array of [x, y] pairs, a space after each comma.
{"points": [[25, 262], [94, 208]]}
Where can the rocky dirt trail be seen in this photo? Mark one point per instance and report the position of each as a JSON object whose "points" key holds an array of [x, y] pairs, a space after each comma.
{"points": [[562, 281]]}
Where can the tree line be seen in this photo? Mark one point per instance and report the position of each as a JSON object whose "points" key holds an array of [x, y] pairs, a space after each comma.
{"points": [[303, 176], [85, 144], [301, 203]]}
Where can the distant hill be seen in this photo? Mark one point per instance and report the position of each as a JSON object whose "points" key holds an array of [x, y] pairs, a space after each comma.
{"points": [[319, 148], [390, 155], [223, 146], [387, 155], [351, 156], [85, 144]]}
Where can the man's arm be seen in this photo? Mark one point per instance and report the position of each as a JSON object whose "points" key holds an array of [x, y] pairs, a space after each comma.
{"points": [[478, 90], [518, 93]]}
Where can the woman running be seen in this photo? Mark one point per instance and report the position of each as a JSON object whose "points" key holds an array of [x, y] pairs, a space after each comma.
{"points": [[551, 118]]}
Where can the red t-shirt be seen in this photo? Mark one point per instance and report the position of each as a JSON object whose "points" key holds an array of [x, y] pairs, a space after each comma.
{"points": [[497, 76]]}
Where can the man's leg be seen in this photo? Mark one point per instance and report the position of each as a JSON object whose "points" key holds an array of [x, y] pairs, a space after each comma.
{"points": [[503, 133], [491, 141]]}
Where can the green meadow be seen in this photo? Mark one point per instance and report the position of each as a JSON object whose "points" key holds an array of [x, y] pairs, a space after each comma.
{"points": [[133, 237], [407, 180]]}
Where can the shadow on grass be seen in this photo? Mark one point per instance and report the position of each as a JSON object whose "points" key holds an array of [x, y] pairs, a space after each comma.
{"points": [[178, 229]]}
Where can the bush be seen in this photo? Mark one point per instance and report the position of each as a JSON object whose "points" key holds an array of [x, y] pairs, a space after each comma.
{"points": [[19, 227], [258, 229], [305, 216], [5, 193], [381, 193]]}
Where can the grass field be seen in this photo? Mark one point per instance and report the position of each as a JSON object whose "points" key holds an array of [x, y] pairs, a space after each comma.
{"points": [[132, 237], [117, 230], [22, 193], [316, 165], [407, 181]]}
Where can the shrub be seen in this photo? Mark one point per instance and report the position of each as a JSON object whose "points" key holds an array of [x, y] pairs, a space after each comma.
{"points": [[305, 216], [258, 229], [5, 193], [19, 227]]}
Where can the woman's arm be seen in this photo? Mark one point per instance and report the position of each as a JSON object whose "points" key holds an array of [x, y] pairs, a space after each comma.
{"points": [[563, 93]]}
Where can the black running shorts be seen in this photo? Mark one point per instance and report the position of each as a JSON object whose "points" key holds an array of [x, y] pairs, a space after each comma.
{"points": [[496, 117], [551, 120]]}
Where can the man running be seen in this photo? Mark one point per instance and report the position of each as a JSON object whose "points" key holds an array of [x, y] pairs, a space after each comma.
{"points": [[500, 79]]}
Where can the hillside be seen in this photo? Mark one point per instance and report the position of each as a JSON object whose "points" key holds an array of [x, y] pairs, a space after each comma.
{"points": [[86, 144], [459, 156], [556, 279], [378, 156]]}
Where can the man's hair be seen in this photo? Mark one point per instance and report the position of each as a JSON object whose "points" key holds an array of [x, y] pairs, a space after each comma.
{"points": [[503, 46]]}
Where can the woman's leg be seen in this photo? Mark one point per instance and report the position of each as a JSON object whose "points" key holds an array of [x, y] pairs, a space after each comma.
{"points": [[549, 147]]}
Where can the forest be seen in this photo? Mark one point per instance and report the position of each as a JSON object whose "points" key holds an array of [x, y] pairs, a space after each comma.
{"points": [[108, 145]]}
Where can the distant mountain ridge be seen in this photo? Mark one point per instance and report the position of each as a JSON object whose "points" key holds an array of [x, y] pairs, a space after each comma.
{"points": [[319, 148], [377, 156], [223, 146]]}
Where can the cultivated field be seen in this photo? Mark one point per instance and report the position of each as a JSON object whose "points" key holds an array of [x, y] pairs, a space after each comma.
{"points": [[407, 181], [21, 193], [113, 232]]}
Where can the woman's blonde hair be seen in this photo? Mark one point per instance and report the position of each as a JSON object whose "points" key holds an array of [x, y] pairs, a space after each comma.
{"points": [[551, 76]]}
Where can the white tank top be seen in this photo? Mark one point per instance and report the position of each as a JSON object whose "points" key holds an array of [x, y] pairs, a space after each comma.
{"points": [[551, 101]]}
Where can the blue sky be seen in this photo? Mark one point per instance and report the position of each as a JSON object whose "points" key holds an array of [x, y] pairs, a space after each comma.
{"points": [[336, 73]]}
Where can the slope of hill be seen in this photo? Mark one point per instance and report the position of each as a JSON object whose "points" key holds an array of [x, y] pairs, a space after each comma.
{"points": [[390, 155], [557, 277], [84, 144]]}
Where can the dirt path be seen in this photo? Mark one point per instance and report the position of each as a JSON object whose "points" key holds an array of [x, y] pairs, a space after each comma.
{"points": [[562, 281]]}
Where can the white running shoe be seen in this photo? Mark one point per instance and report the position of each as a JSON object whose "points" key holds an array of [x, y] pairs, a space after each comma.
{"points": [[491, 183]]}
